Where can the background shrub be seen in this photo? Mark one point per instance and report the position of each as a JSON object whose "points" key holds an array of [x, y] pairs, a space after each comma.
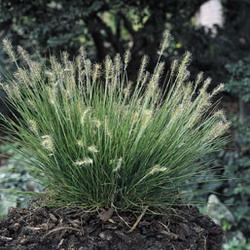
{"points": [[108, 27]]}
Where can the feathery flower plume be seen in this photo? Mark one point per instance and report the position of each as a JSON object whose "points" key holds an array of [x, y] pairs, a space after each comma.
{"points": [[205, 86], [134, 117], [154, 170], [83, 117], [24, 54], [145, 78], [217, 90], [127, 90], [219, 129], [33, 126], [142, 69], [146, 116], [108, 67], [154, 81], [67, 70], [220, 114], [84, 162], [106, 127], [127, 58], [47, 142], [118, 64], [157, 169], [97, 123], [183, 73], [92, 149], [96, 72], [88, 66], [82, 53], [198, 80], [52, 95], [174, 66], [9, 50], [118, 165], [48, 73], [16, 91], [80, 143], [164, 42], [65, 57]]}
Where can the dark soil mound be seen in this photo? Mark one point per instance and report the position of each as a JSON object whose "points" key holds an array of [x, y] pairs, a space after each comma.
{"points": [[45, 229]]}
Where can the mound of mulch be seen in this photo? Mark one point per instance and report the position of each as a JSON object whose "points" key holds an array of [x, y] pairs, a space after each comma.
{"points": [[68, 228]]}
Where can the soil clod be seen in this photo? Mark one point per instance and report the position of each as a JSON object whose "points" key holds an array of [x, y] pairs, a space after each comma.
{"points": [[45, 229]]}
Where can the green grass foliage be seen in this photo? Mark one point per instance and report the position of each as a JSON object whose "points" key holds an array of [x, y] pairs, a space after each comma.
{"points": [[99, 140]]}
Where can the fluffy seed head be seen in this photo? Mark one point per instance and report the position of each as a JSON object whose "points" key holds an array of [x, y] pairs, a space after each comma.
{"points": [[47, 143], [127, 58], [118, 165], [146, 116], [218, 90], [84, 162], [33, 126], [83, 116], [97, 123], [9, 49], [92, 149], [157, 169]]}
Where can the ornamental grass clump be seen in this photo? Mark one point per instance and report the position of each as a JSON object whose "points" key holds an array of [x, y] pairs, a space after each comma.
{"points": [[99, 140]]}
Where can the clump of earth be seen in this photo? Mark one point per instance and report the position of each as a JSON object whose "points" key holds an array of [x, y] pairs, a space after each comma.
{"points": [[72, 228]]}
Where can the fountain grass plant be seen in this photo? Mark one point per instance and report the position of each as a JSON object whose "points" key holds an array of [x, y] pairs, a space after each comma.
{"points": [[99, 140]]}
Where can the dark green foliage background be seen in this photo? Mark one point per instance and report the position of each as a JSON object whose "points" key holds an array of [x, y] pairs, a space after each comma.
{"points": [[46, 27]]}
